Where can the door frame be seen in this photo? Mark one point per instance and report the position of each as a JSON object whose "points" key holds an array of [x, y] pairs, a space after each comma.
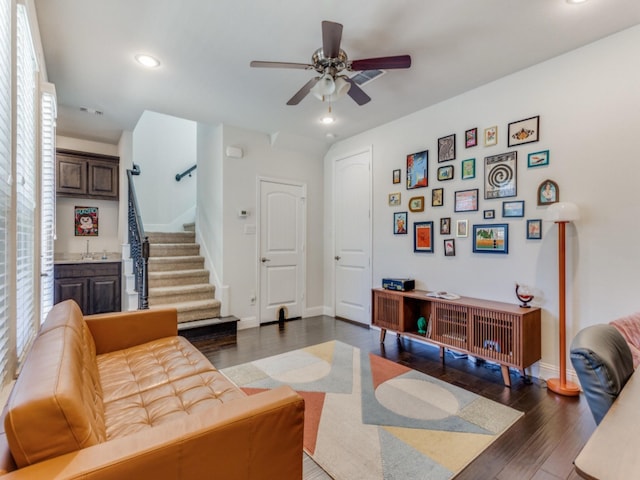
{"points": [[334, 162], [303, 267]]}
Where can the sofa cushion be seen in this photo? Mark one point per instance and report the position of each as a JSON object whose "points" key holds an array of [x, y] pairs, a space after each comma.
{"points": [[57, 395], [158, 382]]}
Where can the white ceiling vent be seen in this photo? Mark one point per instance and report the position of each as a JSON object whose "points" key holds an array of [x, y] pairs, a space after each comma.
{"points": [[366, 76]]}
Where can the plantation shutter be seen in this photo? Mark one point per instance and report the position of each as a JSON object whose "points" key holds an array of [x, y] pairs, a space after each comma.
{"points": [[5, 184], [25, 177], [47, 196]]}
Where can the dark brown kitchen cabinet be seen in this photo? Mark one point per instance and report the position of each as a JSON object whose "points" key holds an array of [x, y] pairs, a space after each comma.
{"points": [[87, 175], [94, 286]]}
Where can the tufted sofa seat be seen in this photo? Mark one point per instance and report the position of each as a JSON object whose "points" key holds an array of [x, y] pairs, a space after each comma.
{"points": [[122, 396]]}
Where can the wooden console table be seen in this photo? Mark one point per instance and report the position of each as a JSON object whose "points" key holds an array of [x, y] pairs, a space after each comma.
{"points": [[499, 332]]}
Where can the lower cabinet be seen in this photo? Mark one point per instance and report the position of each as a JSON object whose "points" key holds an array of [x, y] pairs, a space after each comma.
{"points": [[94, 286]]}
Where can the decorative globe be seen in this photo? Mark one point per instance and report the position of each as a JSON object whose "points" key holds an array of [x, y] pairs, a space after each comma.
{"points": [[524, 295]]}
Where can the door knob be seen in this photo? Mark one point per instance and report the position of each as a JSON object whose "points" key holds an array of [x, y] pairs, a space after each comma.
{"points": [[337, 257], [264, 259]]}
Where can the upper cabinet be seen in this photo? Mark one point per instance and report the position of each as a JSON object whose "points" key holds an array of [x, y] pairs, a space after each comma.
{"points": [[87, 175]]}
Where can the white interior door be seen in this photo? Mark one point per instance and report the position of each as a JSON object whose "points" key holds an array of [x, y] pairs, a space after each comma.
{"points": [[352, 214], [282, 243]]}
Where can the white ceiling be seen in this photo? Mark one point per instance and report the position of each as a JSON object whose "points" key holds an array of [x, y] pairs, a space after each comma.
{"points": [[205, 47]]}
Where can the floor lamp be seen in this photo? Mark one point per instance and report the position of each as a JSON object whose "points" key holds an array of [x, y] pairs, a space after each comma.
{"points": [[562, 213]]}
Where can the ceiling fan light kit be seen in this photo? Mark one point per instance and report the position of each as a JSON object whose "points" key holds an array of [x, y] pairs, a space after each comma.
{"points": [[329, 61]]}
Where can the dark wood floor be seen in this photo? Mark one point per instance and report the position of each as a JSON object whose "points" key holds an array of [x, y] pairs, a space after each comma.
{"points": [[540, 446]]}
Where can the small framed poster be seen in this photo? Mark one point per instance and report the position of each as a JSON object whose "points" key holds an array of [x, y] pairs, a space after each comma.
{"points": [[86, 221], [524, 131], [492, 238]]}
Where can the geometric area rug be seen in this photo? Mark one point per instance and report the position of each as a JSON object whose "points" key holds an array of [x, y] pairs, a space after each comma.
{"points": [[369, 418]]}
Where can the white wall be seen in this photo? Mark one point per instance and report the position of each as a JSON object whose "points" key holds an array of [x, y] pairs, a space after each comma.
{"points": [[588, 101], [164, 146], [108, 210], [231, 184]]}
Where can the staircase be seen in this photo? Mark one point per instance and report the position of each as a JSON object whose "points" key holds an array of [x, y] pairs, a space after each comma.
{"points": [[177, 278]]}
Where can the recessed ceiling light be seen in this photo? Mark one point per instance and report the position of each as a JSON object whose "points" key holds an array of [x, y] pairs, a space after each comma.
{"points": [[147, 60], [575, 2]]}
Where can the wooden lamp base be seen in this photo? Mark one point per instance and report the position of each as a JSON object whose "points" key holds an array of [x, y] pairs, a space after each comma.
{"points": [[568, 389]]}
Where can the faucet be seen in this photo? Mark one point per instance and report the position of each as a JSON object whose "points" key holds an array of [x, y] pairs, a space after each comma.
{"points": [[87, 254]]}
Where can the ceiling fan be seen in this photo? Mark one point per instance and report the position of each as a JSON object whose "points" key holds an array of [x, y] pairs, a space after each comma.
{"points": [[330, 61]]}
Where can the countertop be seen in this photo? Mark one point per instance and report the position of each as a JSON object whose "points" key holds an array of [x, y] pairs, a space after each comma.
{"points": [[93, 257]]}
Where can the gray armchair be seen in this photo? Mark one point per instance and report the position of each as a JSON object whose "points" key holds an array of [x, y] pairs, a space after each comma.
{"points": [[603, 362]]}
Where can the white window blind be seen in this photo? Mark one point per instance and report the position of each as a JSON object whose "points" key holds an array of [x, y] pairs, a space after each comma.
{"points": [[5, 184], [25, 177], [47, 196]]}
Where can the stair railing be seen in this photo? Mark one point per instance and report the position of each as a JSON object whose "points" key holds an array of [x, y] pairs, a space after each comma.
{"points": [[138, 244], [185, 173]]}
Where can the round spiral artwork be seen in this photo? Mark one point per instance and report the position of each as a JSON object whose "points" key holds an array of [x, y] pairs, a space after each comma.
{"points": [[500, 176]]}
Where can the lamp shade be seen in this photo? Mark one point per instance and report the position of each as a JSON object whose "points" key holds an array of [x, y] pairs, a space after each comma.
{"points": [[325, 86], [340, 88], [563, 212]]}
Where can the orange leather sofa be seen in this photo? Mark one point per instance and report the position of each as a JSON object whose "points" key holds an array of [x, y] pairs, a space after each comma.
{"points": [[122, 396]]}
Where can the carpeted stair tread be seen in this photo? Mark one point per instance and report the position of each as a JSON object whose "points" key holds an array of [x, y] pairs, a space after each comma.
{"points": [[174, 249], [171, 237], [157, 264], [183, 289], [178, 277]]}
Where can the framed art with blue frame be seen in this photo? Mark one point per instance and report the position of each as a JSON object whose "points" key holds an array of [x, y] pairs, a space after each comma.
{"points": [[400, 223], [491, 238], [423, 237], [514, 208], [538, 159]]}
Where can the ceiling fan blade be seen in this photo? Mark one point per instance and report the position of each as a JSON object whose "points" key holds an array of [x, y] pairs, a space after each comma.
{"points": [[331, 38], [357, 93], [259, 64], [382, 63], [303, 92]]}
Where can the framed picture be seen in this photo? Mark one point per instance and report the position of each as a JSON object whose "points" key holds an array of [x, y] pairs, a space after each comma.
{"points": [[548, 193], [491, 238], [462, 228], [466, 200], [449, 247], [394, 199], [437, 197], [447, 148], [468, 168], [471, 138], [445, 173], [423, 237], [513, 208], [534, 229], [400, 223], [489, 214], [86, 221], [490, 136], [538, 159], [524, 131], [445, 226], [417, 170], [416, 204], [500, 175], [396, 176]]}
